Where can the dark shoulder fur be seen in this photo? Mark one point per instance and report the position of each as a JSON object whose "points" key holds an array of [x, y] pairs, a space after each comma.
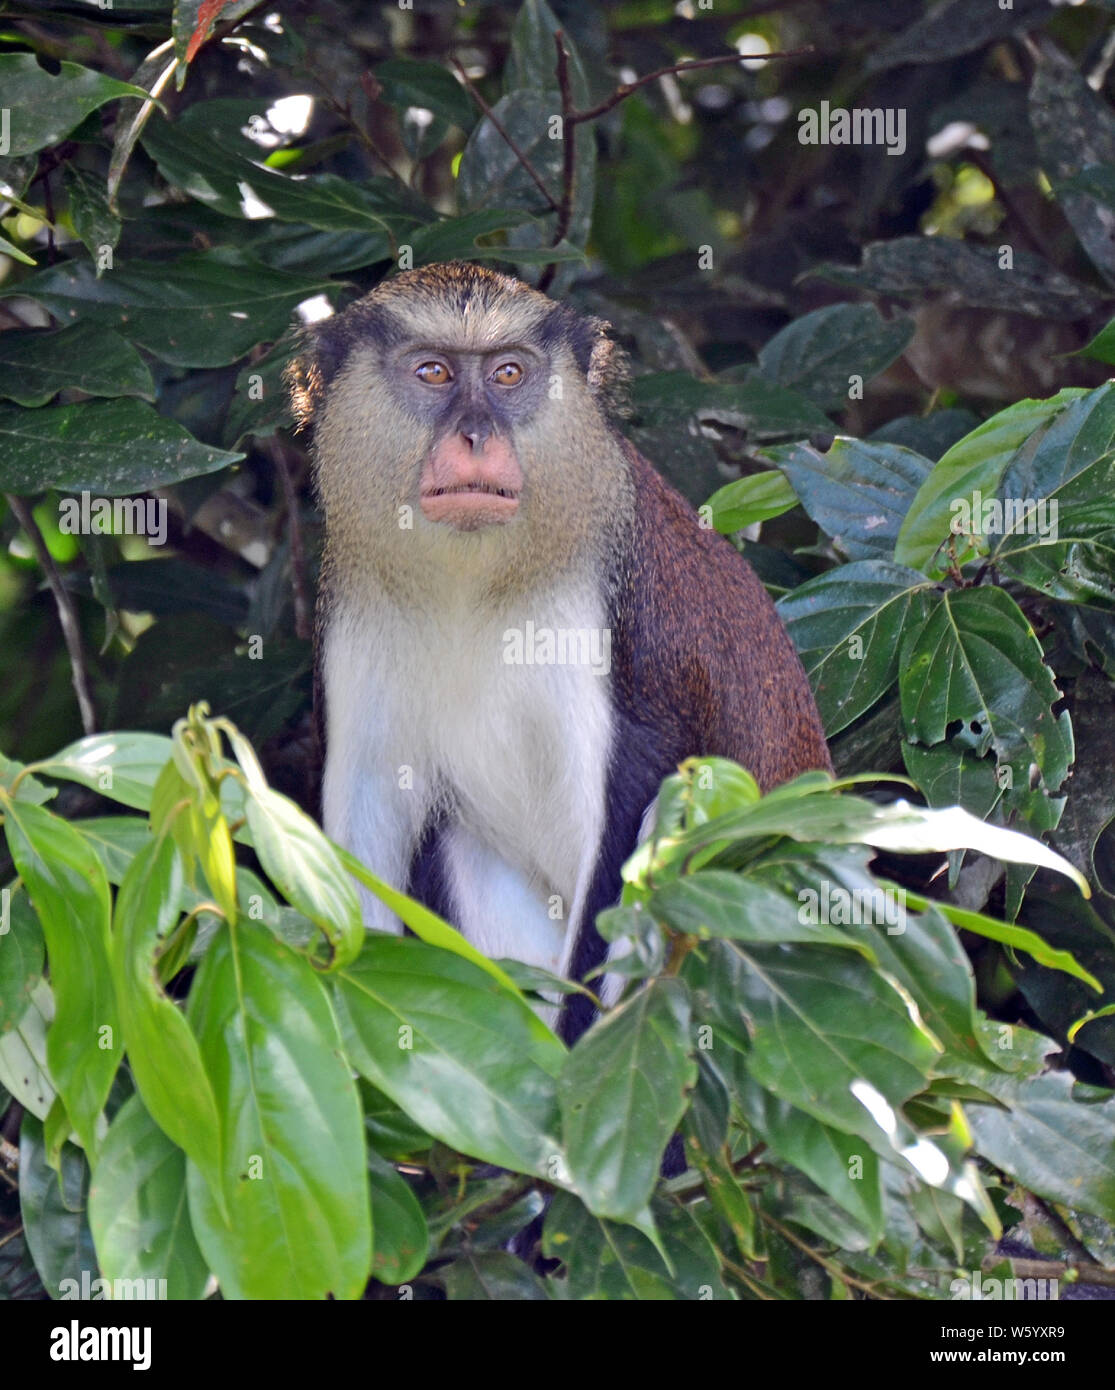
{"points": [[703, 656]]}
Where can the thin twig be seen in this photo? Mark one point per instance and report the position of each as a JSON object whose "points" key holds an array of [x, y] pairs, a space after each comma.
{"points": [[624, 90], [67, 613], [48, 207], [568, 158], [500, 130], [571, 118]]}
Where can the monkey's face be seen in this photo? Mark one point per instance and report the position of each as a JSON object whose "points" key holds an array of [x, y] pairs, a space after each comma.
{"points": [[459, 430], [472, 403]]}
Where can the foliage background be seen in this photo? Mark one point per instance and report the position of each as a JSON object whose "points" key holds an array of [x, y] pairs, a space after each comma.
{"points": [[153, 264]]}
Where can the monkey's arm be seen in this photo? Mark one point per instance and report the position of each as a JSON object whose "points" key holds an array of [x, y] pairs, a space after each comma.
{"points": [[701, 666]]}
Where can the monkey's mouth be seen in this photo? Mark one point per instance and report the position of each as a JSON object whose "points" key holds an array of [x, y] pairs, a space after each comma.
{"points": [[468, 506]]}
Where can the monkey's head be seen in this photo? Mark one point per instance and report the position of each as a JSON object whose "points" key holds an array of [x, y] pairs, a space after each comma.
{"points": [[460, 420]]}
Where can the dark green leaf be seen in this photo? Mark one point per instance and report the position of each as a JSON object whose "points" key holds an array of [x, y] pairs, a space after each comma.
{"points": [[206, 309], [108, 448], [44, 108], [37, 365], [848, 626], [856, 492], [818, 353], [623, 1093]]}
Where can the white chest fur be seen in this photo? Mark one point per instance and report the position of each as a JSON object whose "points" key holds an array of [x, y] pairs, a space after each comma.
{"points": [[499, 721]]}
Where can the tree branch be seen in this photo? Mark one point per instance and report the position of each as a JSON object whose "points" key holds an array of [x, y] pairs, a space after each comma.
{"points": [[568, 158], [571, 118], [624, 90], [67, 612]]}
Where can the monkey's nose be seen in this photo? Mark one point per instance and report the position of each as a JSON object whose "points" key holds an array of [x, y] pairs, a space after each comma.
{"points": [[476, 431]]}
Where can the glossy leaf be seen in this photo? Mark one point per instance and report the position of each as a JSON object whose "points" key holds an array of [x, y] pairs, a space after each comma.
{"points": [[138, 1212], [847, 626], [467, 1060], [300, 1223], [44, 107], [164, 1054], [34, 366], [104, 447], [70, 893], [623, 1093]]}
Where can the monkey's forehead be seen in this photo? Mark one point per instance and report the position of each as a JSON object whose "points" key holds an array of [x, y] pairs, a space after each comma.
{"points": [[469, 327], [456, 304]]}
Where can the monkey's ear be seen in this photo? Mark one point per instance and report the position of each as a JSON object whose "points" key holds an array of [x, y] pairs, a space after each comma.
{"points": [[602, 360], [309, 372]]}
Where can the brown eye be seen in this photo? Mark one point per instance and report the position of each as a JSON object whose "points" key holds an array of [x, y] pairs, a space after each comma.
{"points": [[433, 373], [507, 374]]}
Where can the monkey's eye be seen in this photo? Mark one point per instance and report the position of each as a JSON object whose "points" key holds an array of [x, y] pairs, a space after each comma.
{"points": [[433, 373], [507, 374]]}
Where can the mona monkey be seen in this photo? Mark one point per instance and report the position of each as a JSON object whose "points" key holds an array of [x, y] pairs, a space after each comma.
{"points": [[522, 628]]}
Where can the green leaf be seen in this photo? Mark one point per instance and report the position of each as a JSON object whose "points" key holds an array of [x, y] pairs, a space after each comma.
{"points": [[748, 500], [916, 266], [302, 863], [406, 82], [717, 903], [1102, 346], [402, 1238], [1020, 938], [206, 309], [839, 1163], [953, 28], [491, 1275], [94, 221], [1063, 542], [607, 1261], [1074, 129], [975, 463], [104, 447], [138, 1211], [294, 1162], [809, 809], [818, 353], [930, 435], [70, 893], [848, 626], [1057, 1147], [976, 660], [9, 248], [623, 1093], [857, 492], [24, 1071], [37, 365], [199, 154], [763, 410], [124, 766], [532, 61], [27, 788], [492, 175], [426, 925], [464, 1058], [823, 1031], [165, 1057], [45, 107], [52, 1208], [22, 953]]}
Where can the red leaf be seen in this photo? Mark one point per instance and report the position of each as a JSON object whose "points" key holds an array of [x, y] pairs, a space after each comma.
{"points": [[207, 13]]}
